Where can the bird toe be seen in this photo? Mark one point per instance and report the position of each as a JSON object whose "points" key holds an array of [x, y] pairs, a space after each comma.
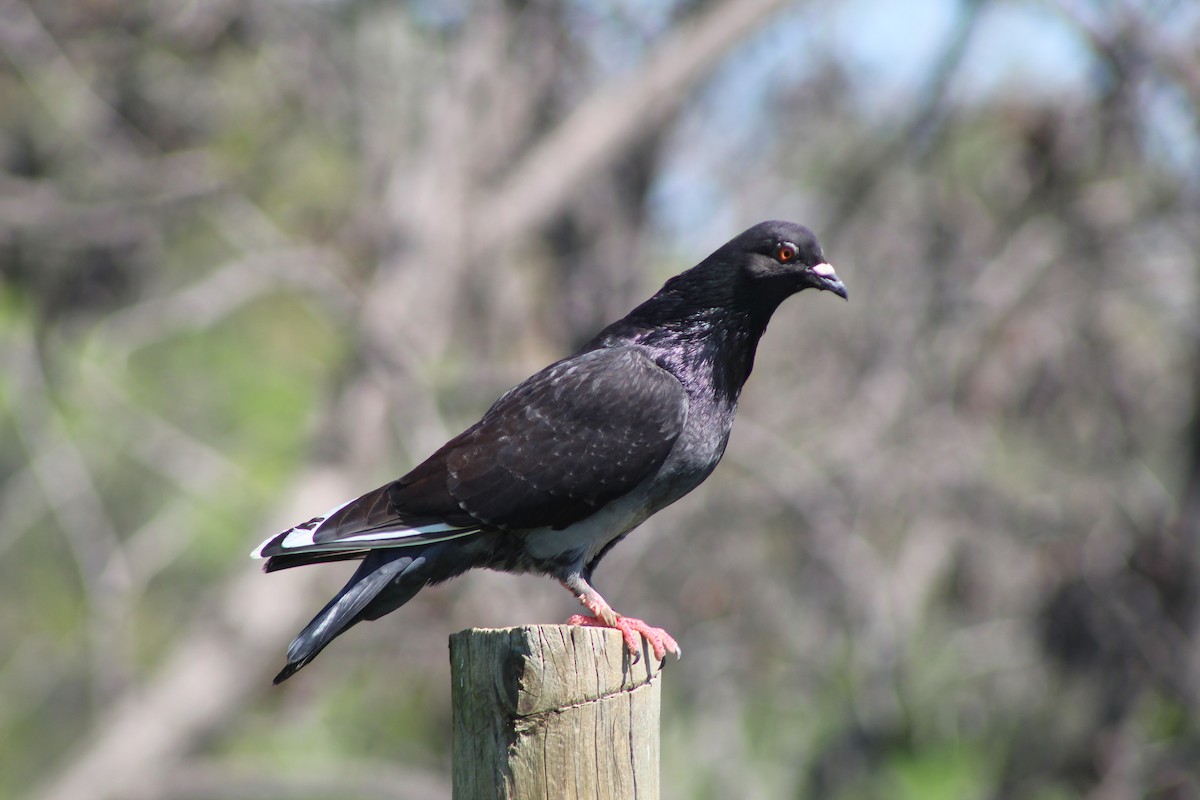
{"points": [[633, 630]]}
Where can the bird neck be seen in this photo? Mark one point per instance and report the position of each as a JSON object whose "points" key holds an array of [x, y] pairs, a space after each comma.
{"points": [[703, 344], [714, 346]]}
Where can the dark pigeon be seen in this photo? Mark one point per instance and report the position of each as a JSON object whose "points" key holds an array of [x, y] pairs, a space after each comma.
{"points": [[566, 464]]}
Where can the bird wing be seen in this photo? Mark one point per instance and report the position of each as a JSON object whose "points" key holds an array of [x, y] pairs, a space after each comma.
{"points": [[550, 452]]}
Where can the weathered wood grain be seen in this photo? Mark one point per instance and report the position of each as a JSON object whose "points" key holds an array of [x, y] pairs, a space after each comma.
{"points": [[554, 712]]}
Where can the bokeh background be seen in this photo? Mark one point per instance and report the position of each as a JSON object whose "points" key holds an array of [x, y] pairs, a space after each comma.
{"points": [[258, 256]]}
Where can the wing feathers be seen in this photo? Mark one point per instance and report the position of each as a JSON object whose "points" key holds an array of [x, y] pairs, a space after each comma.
{"points": [[308, 537], [550, 452]]}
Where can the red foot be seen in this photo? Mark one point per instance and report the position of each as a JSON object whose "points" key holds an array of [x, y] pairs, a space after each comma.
{"points": [[660, 641]]}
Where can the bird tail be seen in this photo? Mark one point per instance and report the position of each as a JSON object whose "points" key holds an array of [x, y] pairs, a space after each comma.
{"points": [[402, 573]]}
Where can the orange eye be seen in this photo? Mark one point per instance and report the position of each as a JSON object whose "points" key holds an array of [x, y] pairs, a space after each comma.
{"points": [[785, 252]]}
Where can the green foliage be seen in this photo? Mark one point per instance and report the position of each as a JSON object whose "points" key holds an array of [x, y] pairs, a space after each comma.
{"points": [[954, 772]]}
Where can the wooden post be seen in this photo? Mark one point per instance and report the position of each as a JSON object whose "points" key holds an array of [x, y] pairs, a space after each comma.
{"points": [[553, 711]]}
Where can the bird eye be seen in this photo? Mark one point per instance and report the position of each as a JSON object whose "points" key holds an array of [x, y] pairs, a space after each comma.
{"points": [[785, 252]]}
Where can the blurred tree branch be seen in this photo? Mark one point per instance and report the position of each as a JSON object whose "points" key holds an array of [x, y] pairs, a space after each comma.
{"points": [[608, 122], [198, 780]]}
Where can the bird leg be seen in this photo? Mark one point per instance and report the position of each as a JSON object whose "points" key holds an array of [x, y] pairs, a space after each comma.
{"points": [[603, 616]]}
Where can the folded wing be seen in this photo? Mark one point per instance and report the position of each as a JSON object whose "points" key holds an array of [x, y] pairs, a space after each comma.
{"points": [[550, 452]]}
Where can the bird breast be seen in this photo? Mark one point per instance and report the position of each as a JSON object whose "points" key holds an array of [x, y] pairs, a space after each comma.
{"points": [[695, 455]]}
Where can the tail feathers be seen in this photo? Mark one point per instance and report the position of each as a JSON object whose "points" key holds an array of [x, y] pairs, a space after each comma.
{"points": [[347, 608], [276, 563]]}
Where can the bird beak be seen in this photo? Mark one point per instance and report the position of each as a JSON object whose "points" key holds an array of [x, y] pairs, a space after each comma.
{"points": [[828, 280]]}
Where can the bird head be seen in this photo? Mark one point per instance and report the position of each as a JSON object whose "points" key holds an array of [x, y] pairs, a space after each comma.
{"points": [[741, 284], [787, 254]]}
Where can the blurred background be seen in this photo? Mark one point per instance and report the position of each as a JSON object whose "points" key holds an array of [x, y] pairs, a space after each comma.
{"points": [[259, 256]]}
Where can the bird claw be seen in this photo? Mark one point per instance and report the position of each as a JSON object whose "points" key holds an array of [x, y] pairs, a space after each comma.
{"points": [[660, 641]]}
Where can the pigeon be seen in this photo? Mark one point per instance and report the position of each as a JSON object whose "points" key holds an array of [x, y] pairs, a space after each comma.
{"points": [[564, 465]]}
